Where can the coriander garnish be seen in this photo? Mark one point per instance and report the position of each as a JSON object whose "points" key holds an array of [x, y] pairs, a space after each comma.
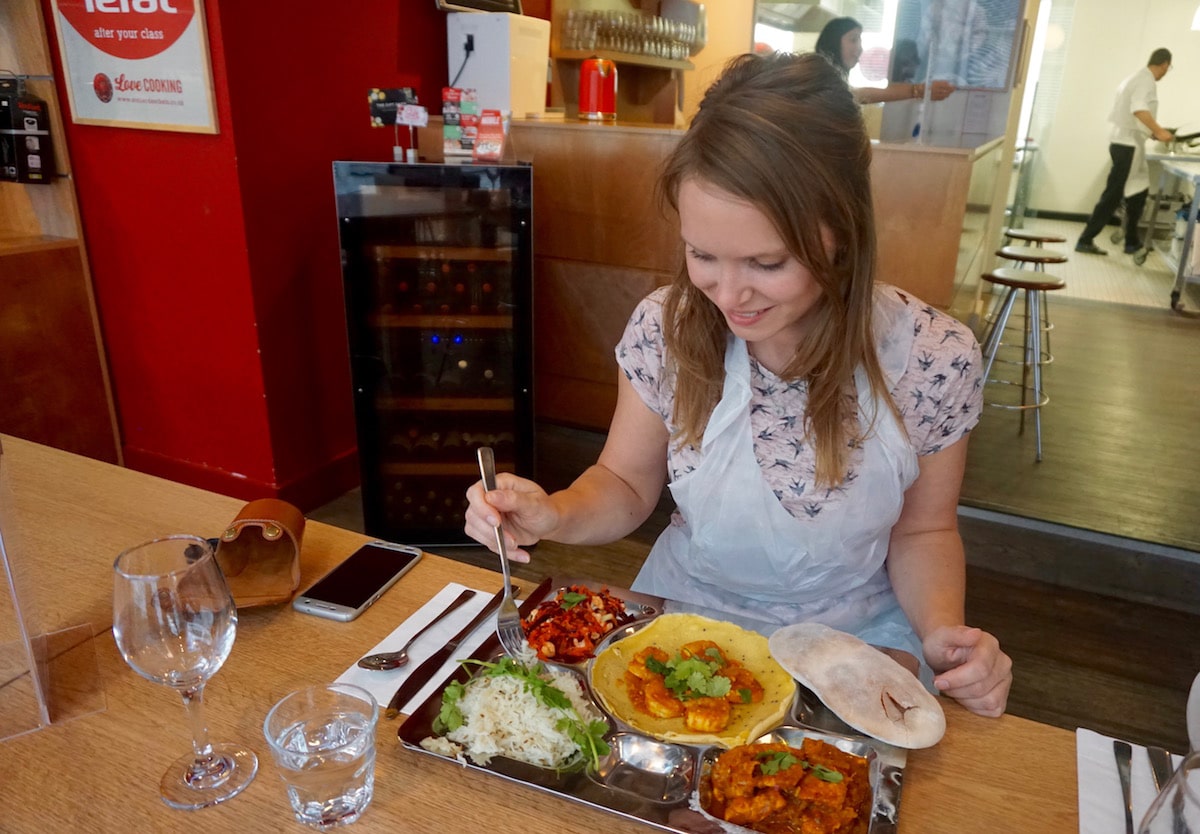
{"points": [[770, 762], [570, 599]]}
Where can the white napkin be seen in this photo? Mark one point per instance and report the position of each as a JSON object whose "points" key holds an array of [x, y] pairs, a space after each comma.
{"points": [[1101, 806], [383, 684]]}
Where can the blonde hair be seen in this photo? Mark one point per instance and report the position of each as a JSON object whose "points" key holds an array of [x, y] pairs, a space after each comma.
{"points": [[784, 133]]}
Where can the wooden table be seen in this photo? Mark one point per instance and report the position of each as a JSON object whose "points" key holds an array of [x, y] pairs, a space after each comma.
{"points": [[100, 772]]}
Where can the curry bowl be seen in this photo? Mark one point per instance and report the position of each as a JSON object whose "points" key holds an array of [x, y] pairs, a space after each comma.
{"points": [[884, 767]]}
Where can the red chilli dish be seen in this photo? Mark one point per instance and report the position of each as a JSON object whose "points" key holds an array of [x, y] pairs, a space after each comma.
{"points": [[567, 628], [777, 789]]}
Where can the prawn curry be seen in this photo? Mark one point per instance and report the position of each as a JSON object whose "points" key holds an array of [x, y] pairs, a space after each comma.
{"points": [[689, 679]]}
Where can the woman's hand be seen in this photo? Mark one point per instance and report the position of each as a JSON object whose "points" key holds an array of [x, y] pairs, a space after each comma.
{"points": [[527, 512], [970, 668], [938, 90]]}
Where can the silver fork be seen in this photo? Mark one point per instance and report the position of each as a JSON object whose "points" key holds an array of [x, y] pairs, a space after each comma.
{"points": [[508, 618]]}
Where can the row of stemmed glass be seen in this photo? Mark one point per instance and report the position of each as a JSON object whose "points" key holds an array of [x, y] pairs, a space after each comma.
{"points": [[631, 32]]}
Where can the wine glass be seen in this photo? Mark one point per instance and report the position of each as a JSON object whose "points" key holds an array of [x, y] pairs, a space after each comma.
{"points": [[174, 623], [1177, 807]]}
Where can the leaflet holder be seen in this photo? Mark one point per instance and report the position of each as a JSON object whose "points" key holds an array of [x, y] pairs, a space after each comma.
{"points": [[49, 673]]}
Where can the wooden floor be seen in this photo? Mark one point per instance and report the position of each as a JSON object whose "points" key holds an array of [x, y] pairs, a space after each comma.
{"points": [[1120, 434]]}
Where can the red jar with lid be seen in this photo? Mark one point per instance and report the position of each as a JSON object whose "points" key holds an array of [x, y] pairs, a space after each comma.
{"points": [[598, 90]]}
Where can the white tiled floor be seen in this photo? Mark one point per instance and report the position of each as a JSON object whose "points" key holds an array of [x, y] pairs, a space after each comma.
{"points": [[1114, 277]]}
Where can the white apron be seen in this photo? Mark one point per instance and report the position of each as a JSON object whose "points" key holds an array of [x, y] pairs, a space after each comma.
{"points": [[740, 552], [1139, 172]]}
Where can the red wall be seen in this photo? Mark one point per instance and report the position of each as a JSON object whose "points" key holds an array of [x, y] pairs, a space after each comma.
{"points": [[215, 258]]}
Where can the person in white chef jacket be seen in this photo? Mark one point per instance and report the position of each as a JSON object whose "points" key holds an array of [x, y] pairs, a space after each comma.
{"points": [[1134, 111], [812, 424]]}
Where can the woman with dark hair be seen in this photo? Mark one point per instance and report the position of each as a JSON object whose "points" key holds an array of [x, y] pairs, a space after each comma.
{"points": [[841, 44], [811, 423]]}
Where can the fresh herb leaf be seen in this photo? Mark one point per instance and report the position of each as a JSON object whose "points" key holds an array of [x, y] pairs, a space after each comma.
{"points": [[570, 599], [773, 761], [449, 717], [746, 695], [714, 654], [770, 762], [657, 666], [695, 678], [823, 773]]}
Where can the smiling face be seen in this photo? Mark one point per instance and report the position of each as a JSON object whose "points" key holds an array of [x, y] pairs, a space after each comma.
{"points": [[736, 257], [851, 48]]}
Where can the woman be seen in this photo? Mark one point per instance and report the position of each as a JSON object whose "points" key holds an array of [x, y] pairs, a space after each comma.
{"points": [[812, 425], [841, 44]]}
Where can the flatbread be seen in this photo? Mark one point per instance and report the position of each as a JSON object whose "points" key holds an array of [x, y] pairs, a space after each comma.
{"points": [[671, 631], [863, 686]]}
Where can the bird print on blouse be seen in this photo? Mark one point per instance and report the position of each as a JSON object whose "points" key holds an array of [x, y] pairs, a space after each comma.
{"points": [[939, 396]]}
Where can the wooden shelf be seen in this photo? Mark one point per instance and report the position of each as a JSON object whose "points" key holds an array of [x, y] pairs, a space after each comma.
{"points": [[444, 404], [444, 253], [441, 322], [623, 58], [35, 243]]}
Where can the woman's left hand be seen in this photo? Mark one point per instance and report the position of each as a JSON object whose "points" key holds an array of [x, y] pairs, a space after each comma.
{"points": [[970, 668], [941, 90]]}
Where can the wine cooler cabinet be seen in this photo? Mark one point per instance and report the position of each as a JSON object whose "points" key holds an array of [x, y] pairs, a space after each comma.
{"points": [[437, 268]]}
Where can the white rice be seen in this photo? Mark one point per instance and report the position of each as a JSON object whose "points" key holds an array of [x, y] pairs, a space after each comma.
{"points": [[501, 718]]}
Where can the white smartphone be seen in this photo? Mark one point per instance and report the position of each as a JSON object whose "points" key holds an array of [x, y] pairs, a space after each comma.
{"points": [[351, 587]]}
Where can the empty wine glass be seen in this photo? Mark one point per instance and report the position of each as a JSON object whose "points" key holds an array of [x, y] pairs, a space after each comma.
{"points": [[1176, 809], [174, 622]]}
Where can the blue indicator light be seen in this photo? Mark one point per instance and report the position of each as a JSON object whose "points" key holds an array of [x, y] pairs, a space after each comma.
{"points": [[458, 340], [435, 338]]}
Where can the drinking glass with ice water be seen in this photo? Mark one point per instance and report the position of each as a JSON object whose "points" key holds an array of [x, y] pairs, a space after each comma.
{"points": [[323, 742]]}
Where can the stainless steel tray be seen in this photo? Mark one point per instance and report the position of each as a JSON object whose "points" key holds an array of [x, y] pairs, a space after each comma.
{"points": [[658, 782]]}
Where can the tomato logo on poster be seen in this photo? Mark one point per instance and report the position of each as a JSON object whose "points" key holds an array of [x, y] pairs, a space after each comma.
{"points": [[130, 29]]}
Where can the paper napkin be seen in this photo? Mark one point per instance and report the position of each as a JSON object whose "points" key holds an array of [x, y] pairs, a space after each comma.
{"points": [[384, 684], [1101, 805]]}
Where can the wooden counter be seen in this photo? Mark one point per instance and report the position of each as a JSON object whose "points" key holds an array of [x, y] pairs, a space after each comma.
{"points": [[932, 209], [602, 242], [100, 772]]}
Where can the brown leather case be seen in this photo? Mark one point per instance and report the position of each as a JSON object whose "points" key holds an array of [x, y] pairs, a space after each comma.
{"points": [[260, 553]]}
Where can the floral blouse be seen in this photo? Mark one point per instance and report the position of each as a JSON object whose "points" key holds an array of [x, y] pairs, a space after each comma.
{"points": [[939, 395]]}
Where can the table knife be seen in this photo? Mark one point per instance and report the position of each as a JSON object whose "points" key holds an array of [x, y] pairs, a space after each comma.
{"points": [[429, 667], [1124, 755], [1160, 766]]}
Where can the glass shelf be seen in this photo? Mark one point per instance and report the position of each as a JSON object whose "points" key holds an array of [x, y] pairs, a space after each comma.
{"points": [[623, 58]]}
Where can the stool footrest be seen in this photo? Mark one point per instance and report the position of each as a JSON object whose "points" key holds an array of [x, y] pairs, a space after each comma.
{"points": [[1041, 401]]}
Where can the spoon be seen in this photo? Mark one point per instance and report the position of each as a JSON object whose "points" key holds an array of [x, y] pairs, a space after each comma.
{"points": [[394, 660]]}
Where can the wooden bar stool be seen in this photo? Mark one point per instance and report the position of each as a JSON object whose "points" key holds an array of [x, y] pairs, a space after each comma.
{"points": [[1038, 256], [1036, 238], [1035, 286]]}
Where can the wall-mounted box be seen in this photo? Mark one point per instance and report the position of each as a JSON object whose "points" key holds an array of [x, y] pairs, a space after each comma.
{"points": [[508, 62]]}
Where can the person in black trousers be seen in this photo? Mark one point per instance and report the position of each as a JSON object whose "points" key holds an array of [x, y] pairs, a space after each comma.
{"points": [[1133, 118]]}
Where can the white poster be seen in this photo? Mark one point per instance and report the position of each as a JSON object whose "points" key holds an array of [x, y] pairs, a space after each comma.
{"points": [[970, 43], [137, 63]]}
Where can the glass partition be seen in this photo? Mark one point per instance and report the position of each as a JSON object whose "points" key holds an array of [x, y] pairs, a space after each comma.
{"points": [[48, 670]]}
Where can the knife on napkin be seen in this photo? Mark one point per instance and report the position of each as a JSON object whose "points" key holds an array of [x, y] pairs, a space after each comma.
{"points": [[423, 673], [1124, 756]]}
